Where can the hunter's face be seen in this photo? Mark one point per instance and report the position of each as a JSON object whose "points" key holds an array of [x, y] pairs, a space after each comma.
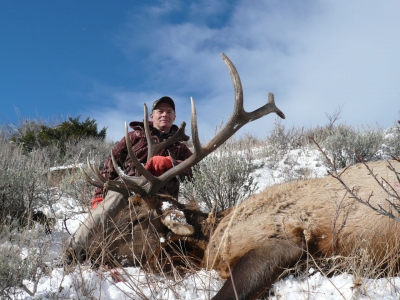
{"points": [[163, 117]]}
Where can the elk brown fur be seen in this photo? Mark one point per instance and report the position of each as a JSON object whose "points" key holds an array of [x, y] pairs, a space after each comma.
{"points": [[281, 224]]}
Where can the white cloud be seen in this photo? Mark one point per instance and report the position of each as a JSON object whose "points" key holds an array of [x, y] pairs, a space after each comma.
{"points": [[315, 57]]}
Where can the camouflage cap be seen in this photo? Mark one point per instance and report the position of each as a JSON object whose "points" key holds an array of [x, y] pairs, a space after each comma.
{"points": [[164, 99]]}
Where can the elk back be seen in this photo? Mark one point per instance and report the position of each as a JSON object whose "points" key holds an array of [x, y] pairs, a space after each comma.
{"points": [[317, 211]]}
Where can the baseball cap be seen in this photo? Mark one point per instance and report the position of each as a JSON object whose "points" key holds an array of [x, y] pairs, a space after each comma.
{"points": [[164, 99]]}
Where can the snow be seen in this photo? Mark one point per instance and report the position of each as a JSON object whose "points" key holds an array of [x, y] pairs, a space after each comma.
{"points": [[294, 163], [165, 205], [68, 167], [175, 218], [342, 286], [133, 283]]}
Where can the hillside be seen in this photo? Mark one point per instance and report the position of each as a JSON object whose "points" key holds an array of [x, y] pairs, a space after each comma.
{"points": [[68, 205]]}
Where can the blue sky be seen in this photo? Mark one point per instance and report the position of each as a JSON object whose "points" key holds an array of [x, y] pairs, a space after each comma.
{"points": [[104, 59]]}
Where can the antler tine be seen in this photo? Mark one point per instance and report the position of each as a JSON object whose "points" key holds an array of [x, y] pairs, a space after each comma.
{"points": [[239, 116], [96, 183], [194, 128], [93, 170], [90, 180], [237, 87], [132, 155], [133, 183], [99, 180], [150, 142]]}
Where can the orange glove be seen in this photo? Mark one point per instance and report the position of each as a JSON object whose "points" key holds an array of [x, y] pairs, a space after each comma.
{"points": [[96, 201], [157, 165]]}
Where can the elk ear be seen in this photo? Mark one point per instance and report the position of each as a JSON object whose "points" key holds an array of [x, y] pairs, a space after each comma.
{"points": [[193, 205], [296, 233], [136, 200]]}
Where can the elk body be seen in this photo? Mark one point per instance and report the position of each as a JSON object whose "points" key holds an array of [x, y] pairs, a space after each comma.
{"points": [[273, 230], [255, 241]]}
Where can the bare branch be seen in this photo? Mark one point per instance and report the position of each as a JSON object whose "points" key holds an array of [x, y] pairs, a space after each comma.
{"points": [[393, 206], [334, 116]]}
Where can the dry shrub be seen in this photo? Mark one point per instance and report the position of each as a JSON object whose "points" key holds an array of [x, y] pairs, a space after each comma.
{"points": [[79, 150], [344, 140], [246, 142], [22, 254], [283, 139], [67, 176], [23, 182], [223, 177], [392, 140]]}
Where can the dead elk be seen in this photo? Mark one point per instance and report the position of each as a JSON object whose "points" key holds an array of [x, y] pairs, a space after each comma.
{"points": [[255, 241], [273, 230]]}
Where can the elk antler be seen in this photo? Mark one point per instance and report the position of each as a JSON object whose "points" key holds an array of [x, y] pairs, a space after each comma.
{"points": [[147, 184]]}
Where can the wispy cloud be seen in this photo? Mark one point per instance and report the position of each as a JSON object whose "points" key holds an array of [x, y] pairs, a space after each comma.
{"points": [[315, 57]]}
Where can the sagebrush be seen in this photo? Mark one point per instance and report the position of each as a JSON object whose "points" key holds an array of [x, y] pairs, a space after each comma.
{"points": [[223, 177]]}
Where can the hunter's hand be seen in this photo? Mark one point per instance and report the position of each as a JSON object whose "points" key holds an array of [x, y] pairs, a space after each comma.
{"points": [[157, 165]]}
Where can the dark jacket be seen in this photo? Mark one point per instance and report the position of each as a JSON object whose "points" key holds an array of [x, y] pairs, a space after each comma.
{"points": [[178, 151]]}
